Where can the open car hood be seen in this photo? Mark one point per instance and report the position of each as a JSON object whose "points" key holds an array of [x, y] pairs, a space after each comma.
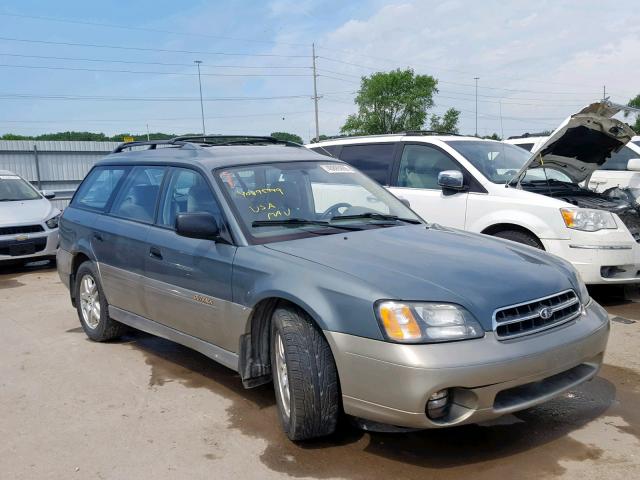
{"points": [[582, 143]]}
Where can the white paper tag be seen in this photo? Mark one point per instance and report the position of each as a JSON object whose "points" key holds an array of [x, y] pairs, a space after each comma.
{"points": [[337, 168]]}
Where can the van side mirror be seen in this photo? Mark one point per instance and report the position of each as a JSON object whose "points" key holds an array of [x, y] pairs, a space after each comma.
{"points": [[197, 225], [634, 165], [451, 180], [48, 194]]}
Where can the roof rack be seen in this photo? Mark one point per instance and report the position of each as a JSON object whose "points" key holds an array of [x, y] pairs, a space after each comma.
{"points": [[206, 140], [407, 133]]}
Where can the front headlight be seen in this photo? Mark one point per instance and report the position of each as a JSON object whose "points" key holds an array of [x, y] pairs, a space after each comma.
{"points": [[425, 322], [53, 221], [587, 219]]}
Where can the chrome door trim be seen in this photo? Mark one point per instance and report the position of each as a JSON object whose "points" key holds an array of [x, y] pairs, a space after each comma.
{"points": [[220, 355]]}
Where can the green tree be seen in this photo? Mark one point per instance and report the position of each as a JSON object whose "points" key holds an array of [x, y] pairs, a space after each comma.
{"points": [[390, 102], [288, 137], [493, 136], [447, 123], [635, 102]]}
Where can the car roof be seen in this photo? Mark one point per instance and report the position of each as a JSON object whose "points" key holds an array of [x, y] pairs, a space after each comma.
{"points": [[210, 157], [391, 138]]}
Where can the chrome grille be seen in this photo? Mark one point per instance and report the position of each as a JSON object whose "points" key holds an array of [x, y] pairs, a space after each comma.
{"points": [[22, 229], [536, 315]]}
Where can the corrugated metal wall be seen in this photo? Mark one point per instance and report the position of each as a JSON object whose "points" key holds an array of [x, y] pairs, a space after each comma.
{"points": [[62, 164]]}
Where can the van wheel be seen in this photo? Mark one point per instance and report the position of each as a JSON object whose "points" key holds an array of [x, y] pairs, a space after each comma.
{"points": [[520, 237], [92, 306], [304, 376]]}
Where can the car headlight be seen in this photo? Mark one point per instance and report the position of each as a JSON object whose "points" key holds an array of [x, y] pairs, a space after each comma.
{"points": [[53, 221], [426, 322], [587, 219]]}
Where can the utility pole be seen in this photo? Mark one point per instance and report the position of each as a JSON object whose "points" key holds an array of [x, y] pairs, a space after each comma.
{"points": [[604, 92], [198, 62], [315, 89], [476, 79], [147, 132]]}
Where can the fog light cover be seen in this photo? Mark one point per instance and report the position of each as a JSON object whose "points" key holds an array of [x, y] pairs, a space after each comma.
{"points": [[438, 404]]}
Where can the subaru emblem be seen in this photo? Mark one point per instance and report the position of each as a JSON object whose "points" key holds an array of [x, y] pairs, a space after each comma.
{"points": [[546, 313]]}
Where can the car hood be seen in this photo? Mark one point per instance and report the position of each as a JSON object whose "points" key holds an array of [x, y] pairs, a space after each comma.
{"points": [[439, 264], [582, 143], [26, 212]]}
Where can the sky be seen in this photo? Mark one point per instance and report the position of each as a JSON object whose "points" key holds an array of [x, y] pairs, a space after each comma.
{"points": [[116, 66]]}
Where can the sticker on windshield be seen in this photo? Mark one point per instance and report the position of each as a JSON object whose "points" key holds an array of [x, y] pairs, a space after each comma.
{"points": [[337, 168], [9, 177]]}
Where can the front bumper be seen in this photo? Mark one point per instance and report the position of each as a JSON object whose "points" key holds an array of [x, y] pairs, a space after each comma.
{"points": [[391, 383], [599, 261], [45, 244]]}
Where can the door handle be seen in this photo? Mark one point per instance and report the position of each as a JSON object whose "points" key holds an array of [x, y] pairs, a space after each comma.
{"points": [[154, 252], [97, 236]]}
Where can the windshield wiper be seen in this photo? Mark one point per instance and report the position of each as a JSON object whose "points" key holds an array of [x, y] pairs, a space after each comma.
{"points": [[295, 222], [376, 216]]}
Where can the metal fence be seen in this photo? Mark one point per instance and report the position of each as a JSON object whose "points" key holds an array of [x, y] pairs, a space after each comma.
{"points": [[59, 166]]}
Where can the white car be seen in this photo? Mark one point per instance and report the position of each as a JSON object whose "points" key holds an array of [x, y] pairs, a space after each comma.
{"points": [[28, 221], [499, 189], [621, 170]]}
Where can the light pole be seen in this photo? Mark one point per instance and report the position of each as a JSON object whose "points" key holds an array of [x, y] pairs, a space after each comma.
{"points": [[198, 62], [476, 79]]}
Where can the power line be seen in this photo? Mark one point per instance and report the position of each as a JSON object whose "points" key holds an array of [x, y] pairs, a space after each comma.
{"points": [[149, 72], [146, 29], [147, 49], [131, 62]]}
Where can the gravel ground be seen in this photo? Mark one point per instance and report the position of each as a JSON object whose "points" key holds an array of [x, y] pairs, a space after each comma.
{"points": [[144, 407]]}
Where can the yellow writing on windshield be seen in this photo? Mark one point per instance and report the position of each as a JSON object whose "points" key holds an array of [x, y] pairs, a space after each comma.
{"points": [[262, 207], [261, 191], [285, 212]]}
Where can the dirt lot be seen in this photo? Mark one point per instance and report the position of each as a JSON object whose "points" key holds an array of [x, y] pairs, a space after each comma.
{"points": [[144, 407]]}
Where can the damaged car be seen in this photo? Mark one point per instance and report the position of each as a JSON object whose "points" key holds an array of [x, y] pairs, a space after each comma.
{"points": [[503, 190]]}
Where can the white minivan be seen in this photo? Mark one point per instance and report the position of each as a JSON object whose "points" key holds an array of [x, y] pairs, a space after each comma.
{"points": [[502, 190], [621, 170], [28, 221]]}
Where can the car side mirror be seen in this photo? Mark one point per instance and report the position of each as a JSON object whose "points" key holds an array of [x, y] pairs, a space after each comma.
{"points": [[48, 194], [451, 180], [197, 225], [405, 202], [634, 165]]}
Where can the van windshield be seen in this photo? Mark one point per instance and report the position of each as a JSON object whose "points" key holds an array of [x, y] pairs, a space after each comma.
{"points": [[287, 200], [14, 188]]}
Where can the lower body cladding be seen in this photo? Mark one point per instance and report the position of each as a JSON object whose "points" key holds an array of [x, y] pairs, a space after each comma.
{"points": [[28, 247], [455, 383], [600, 260]]}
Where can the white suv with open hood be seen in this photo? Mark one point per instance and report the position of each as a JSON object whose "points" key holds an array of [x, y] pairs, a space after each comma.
{"points": [[503, 190]]}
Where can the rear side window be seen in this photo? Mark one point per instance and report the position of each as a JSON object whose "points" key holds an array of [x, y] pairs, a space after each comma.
{"points": [[97, 189], [619, 160], [138, 196], [374, 160], [329, 150], [526, 146]]}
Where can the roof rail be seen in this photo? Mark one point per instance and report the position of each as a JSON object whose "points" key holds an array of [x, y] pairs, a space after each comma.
{"points": [[407, 133], [208, 140], [428, 132]]}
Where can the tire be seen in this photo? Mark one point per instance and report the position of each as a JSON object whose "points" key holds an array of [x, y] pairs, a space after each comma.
{"points": [[520, 237], [300, 351], [92, 306]]}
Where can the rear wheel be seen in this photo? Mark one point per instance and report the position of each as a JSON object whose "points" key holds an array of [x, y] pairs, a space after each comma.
{"points": [[520, 237], [92, 306], [304, 376]]}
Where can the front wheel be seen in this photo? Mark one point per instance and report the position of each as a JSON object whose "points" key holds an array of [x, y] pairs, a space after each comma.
{"points": [[520, 237], [304, 376]]}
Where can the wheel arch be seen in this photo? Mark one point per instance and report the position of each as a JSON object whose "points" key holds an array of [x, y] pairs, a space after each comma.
{"points": [[78, 259], [503, 227]]}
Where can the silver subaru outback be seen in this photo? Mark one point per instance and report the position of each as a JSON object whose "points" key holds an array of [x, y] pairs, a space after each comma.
{"points": [[291, 267]]}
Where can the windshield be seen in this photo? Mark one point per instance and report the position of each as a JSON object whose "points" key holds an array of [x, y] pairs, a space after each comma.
{"points": [[637, 142], [282, 201], [500, 162], [13, 188]]}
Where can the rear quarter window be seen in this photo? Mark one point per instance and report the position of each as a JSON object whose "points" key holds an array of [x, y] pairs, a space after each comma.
{"points": [[98, 187], [373, 160], [329, 150]]}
